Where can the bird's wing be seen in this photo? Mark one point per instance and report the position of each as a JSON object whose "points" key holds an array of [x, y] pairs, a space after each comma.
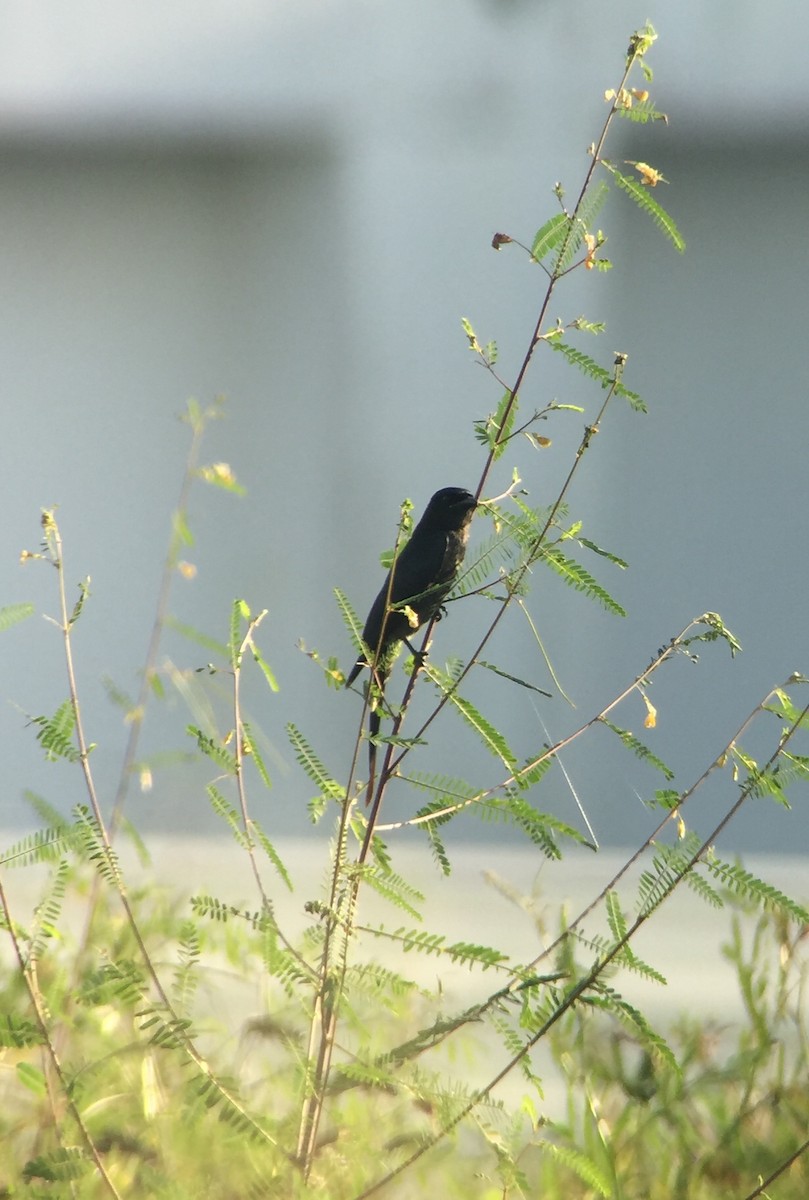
{"points": [[420, 565]]}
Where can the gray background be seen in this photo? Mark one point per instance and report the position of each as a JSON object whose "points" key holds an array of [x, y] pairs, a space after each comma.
{"points": [[292, 205]]}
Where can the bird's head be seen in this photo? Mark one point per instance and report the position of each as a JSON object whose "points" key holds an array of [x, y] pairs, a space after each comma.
{"points": [[450, 508]]}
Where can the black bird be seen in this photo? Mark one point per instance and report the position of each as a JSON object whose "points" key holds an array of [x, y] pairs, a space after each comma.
{"points": [[423, 574]]}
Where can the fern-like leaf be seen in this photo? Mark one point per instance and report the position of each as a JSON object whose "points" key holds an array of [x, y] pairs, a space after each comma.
{"points": [[606, 997], [619, 562], [641, 113], [186, 972], [313, 767], [640, 194], [46, 914], [639, 749], [271, 853], [468, 954], [582, 1165], [12, 614], [499, 425], [576, 576], [581, 226], [120, 983], [265, 668], [537, 825], [381, 983], [626, 956], [549, 236], [67, 1164], [739, 880], [482, 565], [491, 738], [352, 622], [430, 829], [653, 887], [583, 362], [94, 847], [703, 889], [217, 648], [227, 813], [250, 747], [213, 749], [55, 734], [16, 1033], [239, 612], [393, 888], [44, 846]]}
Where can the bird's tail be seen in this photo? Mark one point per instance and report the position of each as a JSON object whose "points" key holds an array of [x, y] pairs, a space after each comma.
{"points": [[374, 721]]}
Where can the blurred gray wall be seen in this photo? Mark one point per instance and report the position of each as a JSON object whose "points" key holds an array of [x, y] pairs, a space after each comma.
{"points": [[292, 205]]}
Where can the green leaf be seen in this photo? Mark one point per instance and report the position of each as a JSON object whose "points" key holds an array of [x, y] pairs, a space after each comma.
{"points": [[237, 615], [639, 749], [577, 577], [657, 1045], [271, 853], [63, 1165], [665, 798], [43, 846], [482, 565], [469, 954], [634, 399], [201, 639], [786, 710], [587, 365], [391, 887], [626, 956], [739, 880], [586, 327], [265, 668], [717, 629], [16, 1033], [213, 750], [440, 855], [313, 767], [703, 889], [94, 847], [640, 194], [350, 618], [55, 734], [120, 983], [615, 916], [495, 431], [641, 113], [582, 1165], [47, 912], [549, 236], [250, 748], [619, 562], [84, 593], [225, 810], [587, 212], [181, 531], [447, 789], [12, 614], [491, 738]]}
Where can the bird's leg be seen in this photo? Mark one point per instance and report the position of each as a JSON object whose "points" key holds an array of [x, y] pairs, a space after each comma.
{"points": [[418, 655]]}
